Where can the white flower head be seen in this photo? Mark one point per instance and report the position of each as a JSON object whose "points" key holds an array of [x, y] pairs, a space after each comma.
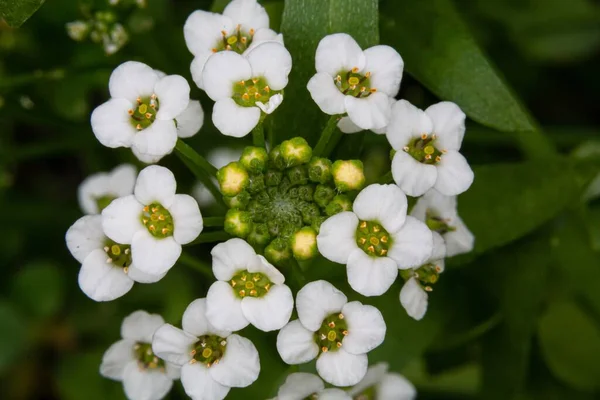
{"points": [[356, 82], [212, 360], [154, 220], [246, 86], [302, 385], [383, 385], [375, 239], [427, 144], [218, 157], [132, 361], [339, 333], [142, 111], [249, 290], [98, 190], [440, 214]]}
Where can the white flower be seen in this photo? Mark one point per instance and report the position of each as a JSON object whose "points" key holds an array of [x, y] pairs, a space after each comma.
{"points": [[249, 290], [301, 385], [98, 190], [219, 158], [427, 144], [131, 360], [190, 120], [339, 333], [243, 25], [347, 126], [375, 239], [246, 86], [356, 82], [212, 360], [142, 111], [154, 220], [384, 385], [440, 214]]}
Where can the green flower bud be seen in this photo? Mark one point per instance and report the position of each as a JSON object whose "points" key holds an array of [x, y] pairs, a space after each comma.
{"points": [[278, 252], [316, 223], [297, 175], [276, 158], [259, 236], [304, 244], [240, 201], [310, 211], [257, 211], [306, 192], [319, 170], [256, 184], [254, 159], [295, 151], [238, 223], [233, 178], [339, 203], [348, 175], [323, 195]]}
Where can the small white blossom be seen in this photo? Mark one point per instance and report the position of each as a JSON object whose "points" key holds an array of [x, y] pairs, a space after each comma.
{"points": [[131, 360], [427, 144], [356, 82], [301, 385], [98, 190], [219, 158], [347, 126], [375, 239], [339, 333], [142, 111], [440, 214], [384, 385], [246, 87], [212, 360], [190, 120], [154, 220]]}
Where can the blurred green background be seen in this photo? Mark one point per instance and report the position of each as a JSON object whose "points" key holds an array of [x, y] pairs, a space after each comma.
{"points": [[519, 318]]}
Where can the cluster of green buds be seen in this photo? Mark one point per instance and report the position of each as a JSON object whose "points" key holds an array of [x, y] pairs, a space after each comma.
{"points": [[278, 200]]}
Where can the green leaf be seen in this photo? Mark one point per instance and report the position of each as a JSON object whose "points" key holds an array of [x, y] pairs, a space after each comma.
{"points": [[16, 12], [440, 52], [39, 289], [12, 335], [570, 344], [304, 24]]}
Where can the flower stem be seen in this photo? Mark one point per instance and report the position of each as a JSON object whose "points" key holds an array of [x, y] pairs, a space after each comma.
{"points": [[196, 264], [329, 137], [210, 237], [213, 221], [386, 178], [258, 135]]}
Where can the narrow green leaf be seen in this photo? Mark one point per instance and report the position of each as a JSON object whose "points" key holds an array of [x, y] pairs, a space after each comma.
{"points": [[16, 12]]}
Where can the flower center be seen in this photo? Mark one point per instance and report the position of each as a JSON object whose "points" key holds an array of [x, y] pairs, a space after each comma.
{"points": [[331, 333], [372, 238], [208, 350], [157, 220], [253, 284], [369, 393], [145, 112], [353, 83], [103, 201], [146, 358], [248, 93], [237, 41], [427, 274], [437, 224], [118, 254], [423, 149]]}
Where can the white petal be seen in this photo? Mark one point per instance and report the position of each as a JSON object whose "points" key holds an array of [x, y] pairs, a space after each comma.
{"points": [[413, 177], [202, 30], [338, 52], [202, 195], [441, 206], [131, 80], [142, 277], [199, 385], [157, 140], [173, 371], [156, 184], [327, 96], [265, 35], [122, 180], [385, 204], [347, 126], [114, 360], [197, 67], [337, 237], [296, 344], [372, 112], [270, 312], [448, 124], [102, 281], [85, 236], [316, 301], [230, 257], [93, 187], [140, 326], [231, 119], [173, 93], [374, 375], [413, 299], [195, 322], [112, 125], [439, 247], [341, 368], [271, 105], [459, 241], [247, 13], [300, 385], [334, 394], [366, 328], [370, 276], [122, 219], [222, 71], [266, 268], [145, 384], [187, 220], [240, 364], [406, 122], [172, 344], [386, 66], [412, 245], [154, 256], [394, 386], [454, 175], [190, 120], [224, 308], [272, 61], [146, 158]]}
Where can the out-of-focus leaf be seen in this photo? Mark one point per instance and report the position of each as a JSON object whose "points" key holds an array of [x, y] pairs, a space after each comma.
{"points": [[570, 343], [16, 12], [462, 381], [39, 289], [12, 334]]}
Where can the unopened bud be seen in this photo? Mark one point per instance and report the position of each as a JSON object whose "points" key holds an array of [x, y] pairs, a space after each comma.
{"points": [[304, 244], [297, 175], [233, 178], [276, 158], [238, 223], [319, 170], [348, 175], [78, 30], [273, 178], [259, 236], [339, 203], [309, 212], [295, 151], [306, 193], [323, 195], [254, 159], [278, 252], [256, 184], [240, 201]]}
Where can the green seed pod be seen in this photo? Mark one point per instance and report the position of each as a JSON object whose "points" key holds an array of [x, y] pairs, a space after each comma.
{"points": [[259, 236], [233, 178], [278, 252], [276, 158], [323, 195], [238, 223], [297, 175], [295, 151], [319, 170], [240, 201], [254, 159], [304, 244], [338, 204], [348, 175]]}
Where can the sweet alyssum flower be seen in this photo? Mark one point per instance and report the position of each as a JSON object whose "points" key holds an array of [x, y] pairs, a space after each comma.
{"points": [[356, 82], [339, 333], [379, 384], [132, 361], [154, 221], [427, 144], [249, 290], [375, 239], [219, 158], [302, 385], [212, 360], [440, 214], [98, 190], [246, 87], [243, 25]]}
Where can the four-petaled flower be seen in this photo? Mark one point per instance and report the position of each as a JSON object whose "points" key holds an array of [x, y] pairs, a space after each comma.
{"points": [[383, 385], [98, 190]]}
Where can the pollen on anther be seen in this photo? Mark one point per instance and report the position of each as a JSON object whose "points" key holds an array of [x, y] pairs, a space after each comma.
{"points": [[246, 96], [139, 100], [257, 95], [355, 69], [324, 349], [242, 293], [345, 333], [193, 352], [438, 158], [164, 231], [363, 240], [267, 89], [223, 343], [251, 32], [423, 136], [438, 269], [323, 337], [406, 148], [253, 292], [193, 361], [130, 112], [383, 252], [228, 47], [331, 324], [126, 270], [243, 39], [363, 224], [233, 283], [138, 127], [371, 249], [267, 287], [224, 33], [148, 115], [106, 248], [109, 260], [428, 156], [376, 229], [373, 90], [384, 239], [152, 228], [341, 316], [428, 289], [338, 344], [214, 50]]}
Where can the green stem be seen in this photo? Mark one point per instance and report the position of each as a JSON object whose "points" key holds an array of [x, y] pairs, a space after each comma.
{"points": [[213, 221], [329, 135], [258, 135], [196, 264], [469, 336], [191, 154], [210, 237], [386, 178]]}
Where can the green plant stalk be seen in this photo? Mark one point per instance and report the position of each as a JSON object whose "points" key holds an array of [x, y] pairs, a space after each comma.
{"points": [[196, 264], [329, 137], [210, 237], [213, 221], [258, 135]]}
